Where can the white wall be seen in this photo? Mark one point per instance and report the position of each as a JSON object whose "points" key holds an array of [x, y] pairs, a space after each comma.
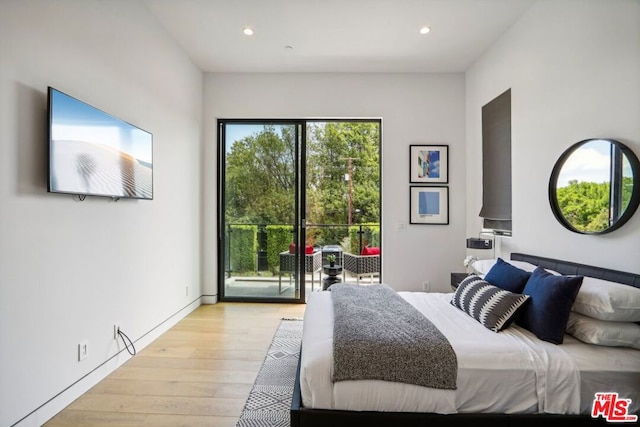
{"points": [[415, 108], [573, 67], [70, 269]]}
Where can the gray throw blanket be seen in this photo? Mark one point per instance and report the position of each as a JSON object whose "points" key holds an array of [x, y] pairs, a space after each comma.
{"points": [[377, 335]]}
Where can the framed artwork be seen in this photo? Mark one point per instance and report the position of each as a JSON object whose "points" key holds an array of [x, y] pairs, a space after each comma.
{"points": [[429, 205], [429, 164]]}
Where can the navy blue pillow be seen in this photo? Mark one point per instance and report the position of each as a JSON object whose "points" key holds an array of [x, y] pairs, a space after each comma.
{"points": [[551, 298], [507, 277]]}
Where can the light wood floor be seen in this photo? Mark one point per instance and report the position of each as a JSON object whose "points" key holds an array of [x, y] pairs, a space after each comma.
{"points": [[199, 373]]}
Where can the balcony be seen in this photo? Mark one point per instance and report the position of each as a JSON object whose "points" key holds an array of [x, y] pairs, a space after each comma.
{"points": [[259, 262]]}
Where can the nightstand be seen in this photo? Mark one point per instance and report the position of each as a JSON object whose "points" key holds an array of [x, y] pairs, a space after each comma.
{"points": [[456, 278]]}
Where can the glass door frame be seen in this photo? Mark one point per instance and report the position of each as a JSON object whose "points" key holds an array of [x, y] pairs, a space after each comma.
{"points": [[299, 229], [299, 223]]}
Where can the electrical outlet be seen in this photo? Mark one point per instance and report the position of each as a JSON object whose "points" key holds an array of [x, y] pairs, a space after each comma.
{"points": [[116, 328], [426, 286], [83, 350], [187, 290]]}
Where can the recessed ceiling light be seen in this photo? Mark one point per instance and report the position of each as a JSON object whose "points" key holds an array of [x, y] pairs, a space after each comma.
{"points": [[247, 31], [424, 30]]}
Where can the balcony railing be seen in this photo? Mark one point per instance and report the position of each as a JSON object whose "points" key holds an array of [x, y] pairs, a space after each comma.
{"points": [[253, 249]]}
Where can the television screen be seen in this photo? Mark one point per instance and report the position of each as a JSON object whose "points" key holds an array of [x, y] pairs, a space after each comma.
{"points": [[93, 153]]}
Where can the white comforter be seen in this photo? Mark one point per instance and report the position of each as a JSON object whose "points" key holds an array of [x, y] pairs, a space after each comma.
{"points": [[507, 372]]}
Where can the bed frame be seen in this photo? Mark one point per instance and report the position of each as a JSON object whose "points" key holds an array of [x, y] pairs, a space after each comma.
{"points": [[309, 417], [568, 267]]}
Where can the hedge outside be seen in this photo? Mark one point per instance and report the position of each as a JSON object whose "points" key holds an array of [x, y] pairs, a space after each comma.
{"points": [[279, 237], [243, 247]]}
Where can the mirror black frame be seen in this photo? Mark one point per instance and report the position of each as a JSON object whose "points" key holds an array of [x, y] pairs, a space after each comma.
{"points": [[635, 195]]}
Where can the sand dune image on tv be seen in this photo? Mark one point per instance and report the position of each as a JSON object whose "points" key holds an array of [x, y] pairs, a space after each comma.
{"points": [[92, 153], [82, 167]]}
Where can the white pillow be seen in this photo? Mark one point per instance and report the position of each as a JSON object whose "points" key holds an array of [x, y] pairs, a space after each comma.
{"points": [[482, 266], [606, 300], [601, 332]]}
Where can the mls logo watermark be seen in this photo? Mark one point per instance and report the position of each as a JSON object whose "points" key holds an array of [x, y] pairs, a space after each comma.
{"points": [[612, 408]]}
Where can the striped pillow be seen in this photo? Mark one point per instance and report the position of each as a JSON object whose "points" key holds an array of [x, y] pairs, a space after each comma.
{"points": [[493, 307]]}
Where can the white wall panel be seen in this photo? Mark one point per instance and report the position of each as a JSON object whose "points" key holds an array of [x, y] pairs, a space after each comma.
{"points": [[70, 269]]}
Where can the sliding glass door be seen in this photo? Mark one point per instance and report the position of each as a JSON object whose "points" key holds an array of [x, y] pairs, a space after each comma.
{"points": [[260, 210], [292, 193]]}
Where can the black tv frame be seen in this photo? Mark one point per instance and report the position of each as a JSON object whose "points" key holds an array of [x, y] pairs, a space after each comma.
{"points": [[82, 195]]}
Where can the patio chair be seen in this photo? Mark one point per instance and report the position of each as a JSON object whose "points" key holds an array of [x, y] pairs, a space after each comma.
{"points": [[312, 263], [360, 265]]}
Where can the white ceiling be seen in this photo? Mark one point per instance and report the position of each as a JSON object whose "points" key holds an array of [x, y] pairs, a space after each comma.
{"points": [[336, 35]]}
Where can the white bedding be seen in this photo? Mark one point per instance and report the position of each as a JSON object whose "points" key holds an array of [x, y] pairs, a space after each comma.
{"points": [[605, 369], [507, 372]]}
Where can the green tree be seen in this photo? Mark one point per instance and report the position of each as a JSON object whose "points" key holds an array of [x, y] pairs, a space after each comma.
{"points": [[329, 146], [585, 205], [260, 177]]}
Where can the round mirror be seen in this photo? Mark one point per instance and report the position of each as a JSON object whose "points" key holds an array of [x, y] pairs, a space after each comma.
{"points": [[594, 186]]}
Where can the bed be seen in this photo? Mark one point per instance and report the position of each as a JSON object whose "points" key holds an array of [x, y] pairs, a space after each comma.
{"points": [[546, 381]]}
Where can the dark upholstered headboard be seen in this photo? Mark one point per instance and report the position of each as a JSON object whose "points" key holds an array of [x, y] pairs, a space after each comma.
{"points": [[568, 267]]}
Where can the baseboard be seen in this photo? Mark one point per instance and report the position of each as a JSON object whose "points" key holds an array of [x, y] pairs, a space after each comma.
{"points": [[57, 403], [209, 299]]}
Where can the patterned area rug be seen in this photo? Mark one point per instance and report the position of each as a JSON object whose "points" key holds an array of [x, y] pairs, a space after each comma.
{"points": [[269, 401]]}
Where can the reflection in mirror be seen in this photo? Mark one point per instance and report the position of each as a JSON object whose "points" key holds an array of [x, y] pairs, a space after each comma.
{"points": [[593, 186]]}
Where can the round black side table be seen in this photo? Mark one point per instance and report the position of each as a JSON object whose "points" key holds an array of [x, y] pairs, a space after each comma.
{"points": [[331, 277]]}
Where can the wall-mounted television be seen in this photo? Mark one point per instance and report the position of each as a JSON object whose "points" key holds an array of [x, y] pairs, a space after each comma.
{"points": [[92, 153]]}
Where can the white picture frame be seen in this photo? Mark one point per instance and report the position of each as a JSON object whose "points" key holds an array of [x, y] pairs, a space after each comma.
{"points": [[429, 205], [428, 164]]}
